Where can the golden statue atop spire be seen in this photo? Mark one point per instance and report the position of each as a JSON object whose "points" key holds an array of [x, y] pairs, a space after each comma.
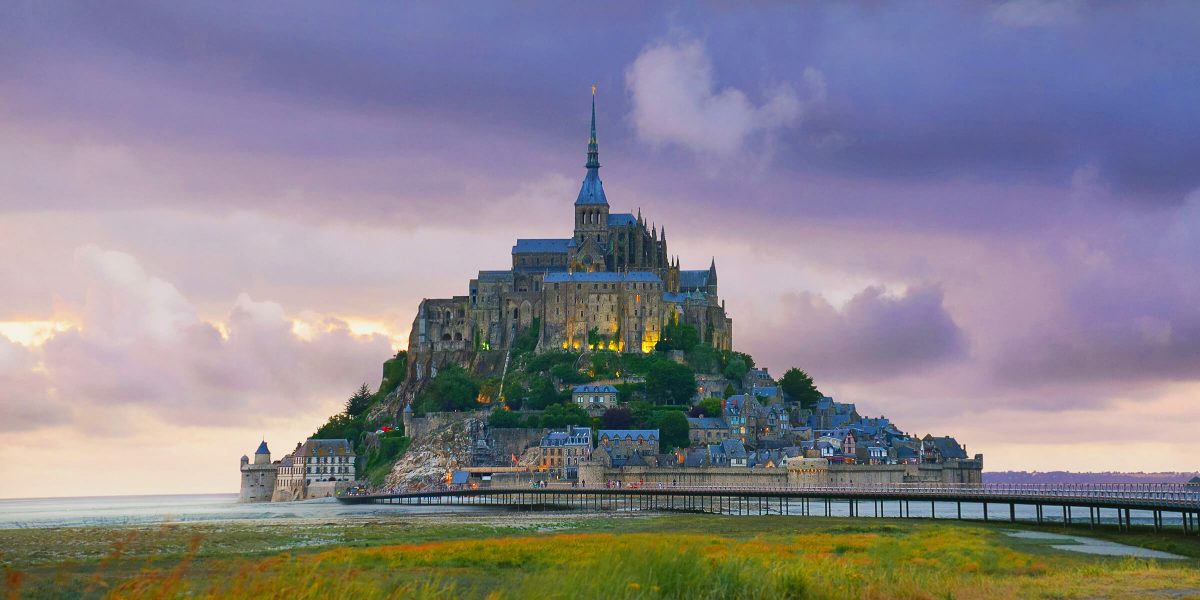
{"points": [[593, 89]]}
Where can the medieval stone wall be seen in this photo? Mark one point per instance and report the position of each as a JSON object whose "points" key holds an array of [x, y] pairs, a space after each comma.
{"points": [[954, 472], [514, 441]]}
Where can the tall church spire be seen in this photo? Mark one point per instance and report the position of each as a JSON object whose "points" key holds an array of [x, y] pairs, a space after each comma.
{"points": [[592, 190], [593, 161]]}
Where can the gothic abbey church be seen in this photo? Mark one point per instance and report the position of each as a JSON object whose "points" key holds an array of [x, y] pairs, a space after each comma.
{"points": [[611, 286]]}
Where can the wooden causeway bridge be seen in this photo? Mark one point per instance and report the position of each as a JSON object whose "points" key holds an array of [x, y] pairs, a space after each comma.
{"points": [[1161, 501]]}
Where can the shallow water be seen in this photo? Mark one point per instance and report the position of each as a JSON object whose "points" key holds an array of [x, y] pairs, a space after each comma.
{"points": [[1088, 545], [127, 510]]}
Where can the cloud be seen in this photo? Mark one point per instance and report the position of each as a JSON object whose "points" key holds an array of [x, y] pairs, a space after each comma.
{"points": [[676, 101], [140, 345], [1037, 13], [26, 400], [875, 336]]}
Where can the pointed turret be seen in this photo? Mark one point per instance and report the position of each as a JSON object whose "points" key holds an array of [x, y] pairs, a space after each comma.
{"points": [[592, 191], [712, 277]]}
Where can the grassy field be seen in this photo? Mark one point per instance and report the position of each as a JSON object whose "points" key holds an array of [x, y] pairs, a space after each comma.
{"points": [[574, 556]]}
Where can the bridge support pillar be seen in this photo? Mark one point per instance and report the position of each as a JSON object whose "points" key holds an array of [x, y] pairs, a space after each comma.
{"points": [[985, 515], [1012, 512], [959, 504], [932, 509]]}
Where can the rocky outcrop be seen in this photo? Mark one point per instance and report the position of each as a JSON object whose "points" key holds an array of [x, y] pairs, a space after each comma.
{"points": [[435, 455]]}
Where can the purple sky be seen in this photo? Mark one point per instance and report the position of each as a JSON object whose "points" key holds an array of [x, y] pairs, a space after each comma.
{"points": [[978, 219]]}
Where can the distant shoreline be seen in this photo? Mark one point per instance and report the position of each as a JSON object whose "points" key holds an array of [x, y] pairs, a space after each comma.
{"points": [[1068, 477]]}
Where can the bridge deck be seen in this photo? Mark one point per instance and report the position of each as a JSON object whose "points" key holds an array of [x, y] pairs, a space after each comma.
{"points": [[1155, 498]]}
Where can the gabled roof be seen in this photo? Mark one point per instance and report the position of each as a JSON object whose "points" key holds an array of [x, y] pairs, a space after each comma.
{"points": [[594, 389], [325, 447], [630, 434], [948, 447], [532, 246], [733, 448]]}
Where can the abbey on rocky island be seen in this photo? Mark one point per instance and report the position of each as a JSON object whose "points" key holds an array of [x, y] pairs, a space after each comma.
{"points": [[612, 286]]}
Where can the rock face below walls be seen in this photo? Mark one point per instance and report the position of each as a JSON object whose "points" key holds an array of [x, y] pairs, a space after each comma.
{"points": [[433, 456]]}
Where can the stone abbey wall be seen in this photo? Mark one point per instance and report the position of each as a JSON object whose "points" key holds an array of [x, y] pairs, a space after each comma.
{"points": [[952, 472]]}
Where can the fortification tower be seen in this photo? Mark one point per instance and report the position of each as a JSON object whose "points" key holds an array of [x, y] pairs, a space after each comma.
{"points": [[258, 478]]}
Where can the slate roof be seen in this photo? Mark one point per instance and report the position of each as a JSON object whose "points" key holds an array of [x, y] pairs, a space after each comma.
{"points": [[532, 246], [262, 448], [707, 423], [1194, 481], [695, 457], [325, 447], [621, 434], [733, 449], [603, 277], [769, 392], [594, 389], [621, 219], [574, 436], [494, 275], [948, 447], [459, 477], [693, 279], [673, 297]]}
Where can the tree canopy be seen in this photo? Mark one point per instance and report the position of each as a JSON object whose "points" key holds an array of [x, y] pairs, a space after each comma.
{"points": [[503, 419], [360, 401], [800, 387], [670, 383], [451, 390], [562, 415], [672, 428], [617, 417], [708, 407], [677, 336]]}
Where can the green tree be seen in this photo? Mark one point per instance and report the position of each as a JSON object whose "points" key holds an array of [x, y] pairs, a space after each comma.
{"points": [[562, 415], [704, 359], [504, 419], [453, 389], [568, 374], [672, 428], [678, 336], [800, 387], [360, 402], [736, 368], [542, 394], [729, 390], [670, 383], [708, 407]]}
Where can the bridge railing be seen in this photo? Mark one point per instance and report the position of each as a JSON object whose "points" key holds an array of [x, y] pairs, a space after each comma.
{"points": [[1159, 493]]}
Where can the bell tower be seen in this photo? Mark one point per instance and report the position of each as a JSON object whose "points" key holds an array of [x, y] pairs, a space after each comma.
{"points": [[591, 209]]}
